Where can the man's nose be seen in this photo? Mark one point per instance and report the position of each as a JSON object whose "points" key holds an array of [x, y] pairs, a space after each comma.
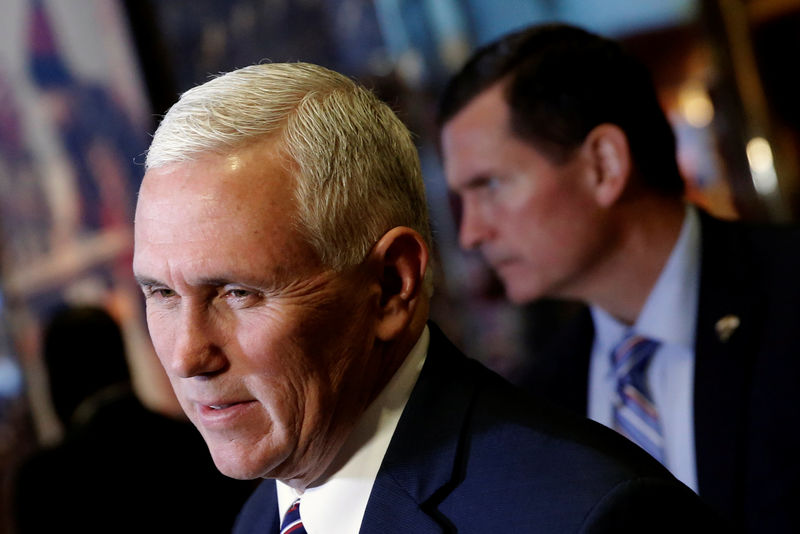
{"points": [[474, 228], [196, 351]]}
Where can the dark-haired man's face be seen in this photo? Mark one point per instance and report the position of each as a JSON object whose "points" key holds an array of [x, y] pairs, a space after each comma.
{"points": [[536, 222]]}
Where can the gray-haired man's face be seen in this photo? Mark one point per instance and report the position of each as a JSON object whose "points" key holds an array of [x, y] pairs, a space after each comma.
{"points": [[262, 344]]}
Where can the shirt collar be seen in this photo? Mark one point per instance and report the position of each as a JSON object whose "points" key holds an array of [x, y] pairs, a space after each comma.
{"points": [[670, 311]]}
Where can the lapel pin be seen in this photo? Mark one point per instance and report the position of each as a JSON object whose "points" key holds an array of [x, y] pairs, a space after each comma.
{"points": [[726, 326]]}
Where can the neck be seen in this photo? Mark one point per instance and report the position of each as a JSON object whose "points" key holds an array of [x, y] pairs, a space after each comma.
{"points": [[367, 381], [647, 229]]}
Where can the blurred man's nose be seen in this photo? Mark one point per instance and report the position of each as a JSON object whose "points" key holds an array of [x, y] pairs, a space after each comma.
{"points": [[474, 228]]}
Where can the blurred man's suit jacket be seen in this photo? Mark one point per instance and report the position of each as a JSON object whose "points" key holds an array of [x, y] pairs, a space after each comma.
{"points": [[471, 453], [746, 408]]}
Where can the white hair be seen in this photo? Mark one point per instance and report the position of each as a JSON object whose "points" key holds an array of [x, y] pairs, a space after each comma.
{"points": [[359, 173]]}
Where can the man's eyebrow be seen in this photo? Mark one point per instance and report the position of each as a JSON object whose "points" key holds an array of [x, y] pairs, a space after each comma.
{"points": [[211, 282], [146, 281], [216, 281], [477, 180]]}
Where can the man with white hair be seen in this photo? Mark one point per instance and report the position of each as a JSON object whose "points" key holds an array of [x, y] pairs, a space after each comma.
{"points": [[282, 244]]}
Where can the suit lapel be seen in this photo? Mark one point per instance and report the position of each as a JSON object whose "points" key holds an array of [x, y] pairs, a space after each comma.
{"points": [[728, 329], [420, 462], [260, 513]]}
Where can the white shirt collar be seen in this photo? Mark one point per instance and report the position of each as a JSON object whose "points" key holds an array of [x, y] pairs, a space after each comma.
{"points": [[670, 311], [337, 506]]}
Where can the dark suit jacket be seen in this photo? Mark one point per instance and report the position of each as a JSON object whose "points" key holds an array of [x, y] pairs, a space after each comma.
{"points": [[471, 453], [746, 409]]}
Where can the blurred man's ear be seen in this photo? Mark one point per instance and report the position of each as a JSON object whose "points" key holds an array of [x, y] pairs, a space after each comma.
{"points": [[607, 148], [401, 258]]}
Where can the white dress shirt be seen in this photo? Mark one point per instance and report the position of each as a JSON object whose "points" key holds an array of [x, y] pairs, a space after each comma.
{"points": [[337, 506], [669, 315]]}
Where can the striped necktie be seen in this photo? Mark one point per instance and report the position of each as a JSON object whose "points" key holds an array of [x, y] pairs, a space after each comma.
{"points": [[635, 415], [291, 521]]}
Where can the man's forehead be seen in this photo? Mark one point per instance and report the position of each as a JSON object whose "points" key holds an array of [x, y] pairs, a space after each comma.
{"points": [[253, 173], [207, 174], [489, 107], [240, 206], [471, 139]]}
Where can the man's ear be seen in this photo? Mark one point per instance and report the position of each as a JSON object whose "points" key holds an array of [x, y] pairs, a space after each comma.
{"points": [[401, 259], [607, 148]]}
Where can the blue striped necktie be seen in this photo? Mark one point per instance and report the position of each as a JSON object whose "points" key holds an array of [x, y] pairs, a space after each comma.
{"points": [[291, 521], [635, 415]]}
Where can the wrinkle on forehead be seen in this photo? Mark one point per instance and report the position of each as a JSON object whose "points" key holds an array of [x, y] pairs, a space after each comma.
{"points": [[164, 215]]}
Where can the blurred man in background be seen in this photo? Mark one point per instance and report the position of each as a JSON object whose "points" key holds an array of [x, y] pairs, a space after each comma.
{"points": [[564, 163]]}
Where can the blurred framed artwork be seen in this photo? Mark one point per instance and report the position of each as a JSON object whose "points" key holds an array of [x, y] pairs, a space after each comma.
{"points": [[74, 120]]}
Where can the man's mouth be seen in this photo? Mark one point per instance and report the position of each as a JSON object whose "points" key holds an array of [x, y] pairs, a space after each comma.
{"points": [[499, 263], [223, 414]]}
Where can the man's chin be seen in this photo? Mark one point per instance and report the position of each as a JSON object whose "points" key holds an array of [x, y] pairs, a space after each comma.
{"points": [[239, 464], [237, 471], [519, 293], [517, 282], [520, 298]]}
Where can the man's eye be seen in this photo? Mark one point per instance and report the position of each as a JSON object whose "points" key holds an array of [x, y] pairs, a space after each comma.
{"points": [[488, 184], [158, 293], [238, 296]]}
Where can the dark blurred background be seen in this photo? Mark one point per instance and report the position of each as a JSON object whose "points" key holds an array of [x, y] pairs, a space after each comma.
{"points": [[83, 84]]}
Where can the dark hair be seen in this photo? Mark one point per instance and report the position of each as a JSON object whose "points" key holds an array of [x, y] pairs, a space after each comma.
{"points": [[563, 82]]}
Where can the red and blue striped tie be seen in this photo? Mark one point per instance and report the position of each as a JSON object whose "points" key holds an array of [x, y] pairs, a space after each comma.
{"points": [[291, 521], [635, 415]]}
